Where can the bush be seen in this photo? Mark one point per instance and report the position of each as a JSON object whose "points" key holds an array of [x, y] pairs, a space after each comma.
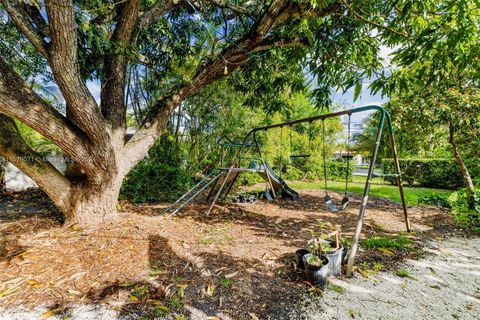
{"points": [[429, 173], [434, 199], [313, 169], [469, 217], [336, 170], [249, 178], [161, 176]]}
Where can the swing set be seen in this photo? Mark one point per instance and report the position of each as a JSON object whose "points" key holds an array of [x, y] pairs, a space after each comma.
{"points": [[221, 180], [384, 117]]}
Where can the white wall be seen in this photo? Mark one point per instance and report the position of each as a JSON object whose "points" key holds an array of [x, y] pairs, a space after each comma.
{"points": [[16, 180]]}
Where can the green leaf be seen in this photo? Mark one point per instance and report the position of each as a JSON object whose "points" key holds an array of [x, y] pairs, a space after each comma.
{"points": [[358, 89]]}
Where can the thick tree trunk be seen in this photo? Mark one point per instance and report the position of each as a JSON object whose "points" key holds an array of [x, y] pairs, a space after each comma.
{"points": [[91, 205], [463, 168]]}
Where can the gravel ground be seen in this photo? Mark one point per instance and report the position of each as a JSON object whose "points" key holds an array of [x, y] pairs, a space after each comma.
{"points": [[445, 284]]}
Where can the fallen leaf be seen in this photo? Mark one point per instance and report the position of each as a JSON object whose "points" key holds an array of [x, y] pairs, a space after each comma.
{"points": [[385, 250], [210, 289], [34, 283], [181, 288], [253, 316], [50, 313], [350, 313], [163, 308], [231, 275], [133, 298], [75, 292]]}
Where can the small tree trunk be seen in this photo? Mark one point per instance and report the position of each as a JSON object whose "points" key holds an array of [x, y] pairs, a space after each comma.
{"points": [[463, 168]]}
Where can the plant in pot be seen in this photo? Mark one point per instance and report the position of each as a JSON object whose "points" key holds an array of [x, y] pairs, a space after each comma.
{"points": [[316, 265], [333, 250]]}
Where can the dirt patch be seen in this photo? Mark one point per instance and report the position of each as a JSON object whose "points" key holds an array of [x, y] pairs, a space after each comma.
{"points": [[234, 264]]}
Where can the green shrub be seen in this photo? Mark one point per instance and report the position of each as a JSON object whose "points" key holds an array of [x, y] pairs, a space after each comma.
{"points": [[249, 178], [434, 199], [313, 169], [161, 176], [430, 173], [336, 170], [292, 173], [469, 217]]}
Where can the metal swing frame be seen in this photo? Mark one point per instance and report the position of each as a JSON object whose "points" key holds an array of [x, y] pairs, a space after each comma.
{"points": [[384, 116]]}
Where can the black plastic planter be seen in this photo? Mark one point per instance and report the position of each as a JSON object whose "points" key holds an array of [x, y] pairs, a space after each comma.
{"points": [[299, 258], [316, 275], [345, 255]]}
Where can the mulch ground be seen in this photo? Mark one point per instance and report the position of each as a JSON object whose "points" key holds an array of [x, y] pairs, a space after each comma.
{"points": [[236, 263]]}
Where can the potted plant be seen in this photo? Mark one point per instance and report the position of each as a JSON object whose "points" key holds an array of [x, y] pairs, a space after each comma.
{"points": [[316, 265], [333, 250]]}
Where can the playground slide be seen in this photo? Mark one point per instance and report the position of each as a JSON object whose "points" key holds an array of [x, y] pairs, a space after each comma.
{"points": [[278, 184]]}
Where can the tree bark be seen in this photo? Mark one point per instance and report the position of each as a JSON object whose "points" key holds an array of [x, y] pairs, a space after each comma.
{"points": [[463, 168], [16, 151], [2, 174], [92, 205]]}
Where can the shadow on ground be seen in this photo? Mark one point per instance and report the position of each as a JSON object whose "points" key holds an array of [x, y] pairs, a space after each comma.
{"points": [[22, 213], [209, 285]]}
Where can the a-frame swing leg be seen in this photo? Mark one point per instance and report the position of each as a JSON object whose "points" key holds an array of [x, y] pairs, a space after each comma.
{"points": [[361, 214], [399, 178]]}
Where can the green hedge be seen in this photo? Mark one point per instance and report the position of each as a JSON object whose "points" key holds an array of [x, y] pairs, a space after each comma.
{"points": [[314, 170], [429, 173], [159, 177]]}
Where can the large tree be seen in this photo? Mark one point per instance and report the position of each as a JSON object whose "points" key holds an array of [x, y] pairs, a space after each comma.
{"points": [[177, 46], [437, 87]]}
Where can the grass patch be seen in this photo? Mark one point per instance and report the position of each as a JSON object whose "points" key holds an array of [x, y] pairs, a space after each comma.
{"points": [[397, 243], [174, 302], [368, 269], [403, 273], [336, 288], [413, 195], [225, 282]]}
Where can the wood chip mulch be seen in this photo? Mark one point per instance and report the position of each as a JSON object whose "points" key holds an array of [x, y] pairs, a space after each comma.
{"points": [[236, 263]]}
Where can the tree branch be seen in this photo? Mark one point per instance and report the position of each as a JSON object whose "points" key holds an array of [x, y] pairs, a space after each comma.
{"points": [[115, 66], [34, 14], [270, 43], [234, 56], [233, 7], [21, 19], [16, 151], [373, 23], [19, 101], [66, 70], [160, 8]]}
